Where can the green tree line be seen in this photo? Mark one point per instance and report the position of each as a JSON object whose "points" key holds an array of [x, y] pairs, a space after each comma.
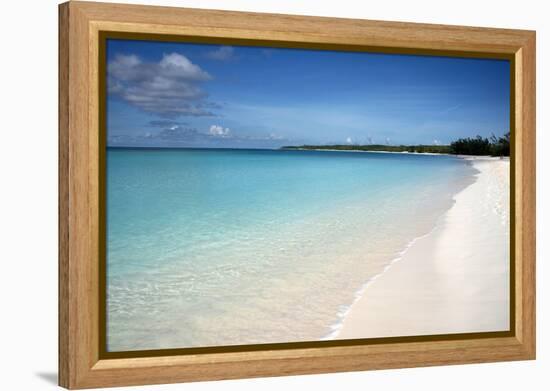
{"points": [[494, 146], [377, 147]]}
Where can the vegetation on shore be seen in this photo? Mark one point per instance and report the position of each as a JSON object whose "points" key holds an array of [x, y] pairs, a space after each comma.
{"points": [[492, 146], [478, 146], [378, 148]]}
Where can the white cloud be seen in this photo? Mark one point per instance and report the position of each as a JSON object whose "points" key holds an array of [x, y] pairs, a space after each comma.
{"points": [[274, 136], [223, 53], [179, 66], [219, 131], [349, 140], [174, 66], [169, 88]]}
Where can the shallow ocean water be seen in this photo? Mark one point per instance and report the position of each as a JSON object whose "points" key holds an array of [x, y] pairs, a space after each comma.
{"points": [[230, 247]]}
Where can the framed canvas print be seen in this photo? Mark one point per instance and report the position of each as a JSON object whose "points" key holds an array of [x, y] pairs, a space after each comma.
{"points": [[254, 195]]}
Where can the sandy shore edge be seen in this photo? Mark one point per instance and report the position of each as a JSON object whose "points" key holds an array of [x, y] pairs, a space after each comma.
{"points": [[454, 279]]}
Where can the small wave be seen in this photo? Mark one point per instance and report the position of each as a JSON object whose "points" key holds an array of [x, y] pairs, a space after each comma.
{"points": [[344, 310]]}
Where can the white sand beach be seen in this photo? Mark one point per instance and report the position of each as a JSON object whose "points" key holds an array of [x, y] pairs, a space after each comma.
{"points": [[453, 280]]}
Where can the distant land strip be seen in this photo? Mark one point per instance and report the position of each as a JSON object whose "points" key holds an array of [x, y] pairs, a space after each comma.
{"points": [[377, 148], [477, 146]]}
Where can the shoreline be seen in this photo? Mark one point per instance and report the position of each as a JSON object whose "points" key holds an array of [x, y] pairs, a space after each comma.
{"points": [[346, 309], [454, 279], [360, 151], [467, 157]]}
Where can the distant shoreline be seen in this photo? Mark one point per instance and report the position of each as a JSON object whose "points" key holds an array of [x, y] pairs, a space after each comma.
{"points": [[477, 146], [460, 156], [365, 151], [420, 148]]}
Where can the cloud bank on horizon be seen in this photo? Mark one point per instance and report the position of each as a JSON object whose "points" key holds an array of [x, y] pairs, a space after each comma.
{"points": [[163, 94]]}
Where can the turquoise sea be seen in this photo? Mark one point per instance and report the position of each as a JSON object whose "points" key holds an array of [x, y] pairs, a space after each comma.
{"points": [[210, 247]]}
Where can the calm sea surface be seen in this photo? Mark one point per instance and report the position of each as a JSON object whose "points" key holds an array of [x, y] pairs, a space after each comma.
{"points": [[223, 247]]}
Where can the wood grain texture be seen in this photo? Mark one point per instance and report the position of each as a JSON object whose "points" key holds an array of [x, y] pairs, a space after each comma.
{"points": [[63, 177], [527, 186], [79, 199]]}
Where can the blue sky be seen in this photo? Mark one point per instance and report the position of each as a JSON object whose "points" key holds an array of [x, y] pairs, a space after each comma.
{"points": [[188, 95]]}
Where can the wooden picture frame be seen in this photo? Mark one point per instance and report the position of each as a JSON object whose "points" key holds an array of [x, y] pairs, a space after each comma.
{"points": [[81, 362]]}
